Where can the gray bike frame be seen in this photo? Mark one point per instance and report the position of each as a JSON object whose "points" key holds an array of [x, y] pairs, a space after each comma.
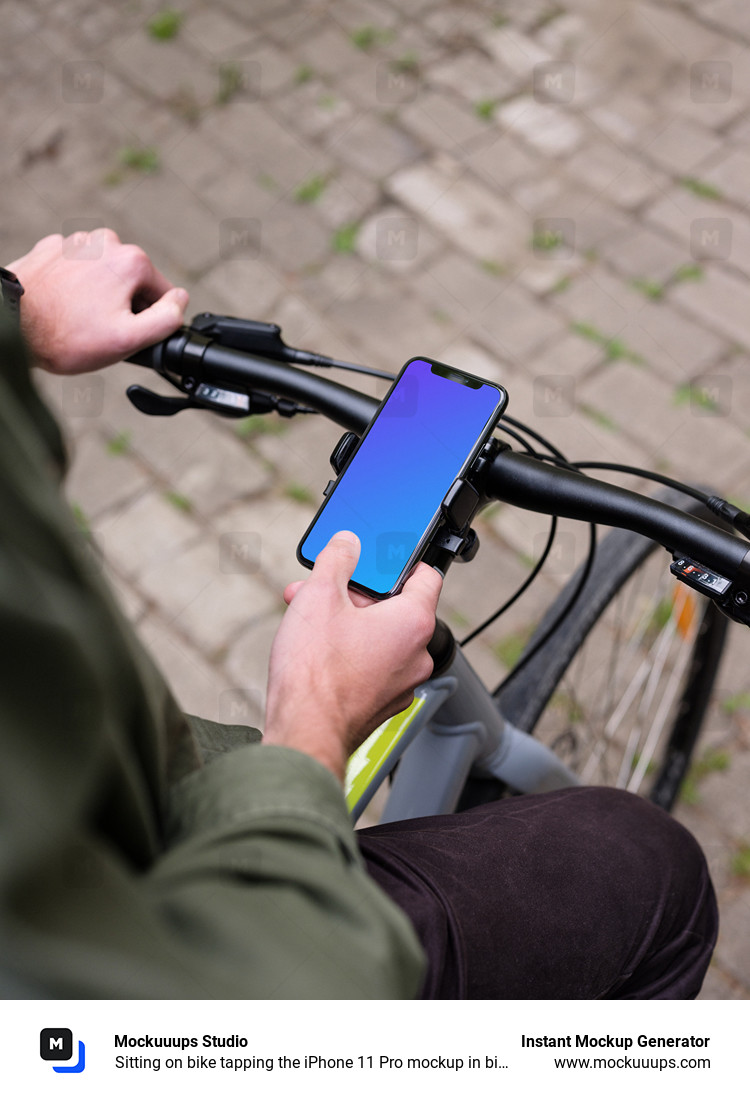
{"points": [[457, 731]]}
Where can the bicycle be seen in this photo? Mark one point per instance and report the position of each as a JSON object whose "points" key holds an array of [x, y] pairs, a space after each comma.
{"points": [[459, 744]]}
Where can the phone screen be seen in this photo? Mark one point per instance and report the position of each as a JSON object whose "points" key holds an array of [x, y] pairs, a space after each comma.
{"points": [[431, 425]]}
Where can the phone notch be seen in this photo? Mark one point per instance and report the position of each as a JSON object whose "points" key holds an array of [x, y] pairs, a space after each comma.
{"points": [[456, 376]]}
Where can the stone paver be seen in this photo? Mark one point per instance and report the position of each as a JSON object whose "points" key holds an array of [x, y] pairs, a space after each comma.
{"points": [[438, 120], [106, 479], [544, 126], [665, 424], [372, 146], [615, 175], [231, 598], [606, 308], [720, 301], [645, 256], [469, 214], [552, 194], [144, 533], [681, 147], [704, 228]]}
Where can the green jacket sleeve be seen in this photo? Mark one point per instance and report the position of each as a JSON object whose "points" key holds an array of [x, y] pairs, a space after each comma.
{"points": [[134, 862]]}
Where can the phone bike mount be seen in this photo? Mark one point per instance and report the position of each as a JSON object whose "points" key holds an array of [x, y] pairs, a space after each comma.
{"points": [[455, 539]]}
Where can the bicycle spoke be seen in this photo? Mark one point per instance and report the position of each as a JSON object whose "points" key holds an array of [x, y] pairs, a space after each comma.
{"points": [[622, 688]]}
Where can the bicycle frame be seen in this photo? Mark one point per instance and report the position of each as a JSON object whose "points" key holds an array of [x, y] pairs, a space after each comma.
{"points": [[452, 729]]}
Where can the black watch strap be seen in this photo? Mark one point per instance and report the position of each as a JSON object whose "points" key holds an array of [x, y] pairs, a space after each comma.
{"points": [[10, 294]]}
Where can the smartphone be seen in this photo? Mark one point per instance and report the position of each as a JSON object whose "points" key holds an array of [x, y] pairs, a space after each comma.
{"points": [[429, 429]]}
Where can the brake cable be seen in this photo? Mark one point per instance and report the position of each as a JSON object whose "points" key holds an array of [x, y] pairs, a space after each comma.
{"points": [[737, 517], [557, 458]]}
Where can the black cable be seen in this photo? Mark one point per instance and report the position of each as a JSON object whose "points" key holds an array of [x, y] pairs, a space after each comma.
{"points": [[560, 618], [635, 471], [374, 372], [518, 438], [558, 459], [539, 438], [730, 513], [519, 591]]}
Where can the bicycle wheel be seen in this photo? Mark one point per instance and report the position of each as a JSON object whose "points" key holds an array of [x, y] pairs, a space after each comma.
{"points": [[621, 689]]}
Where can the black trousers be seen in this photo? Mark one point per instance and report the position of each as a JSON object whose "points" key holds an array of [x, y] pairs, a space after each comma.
{"points": [[583, 893]]}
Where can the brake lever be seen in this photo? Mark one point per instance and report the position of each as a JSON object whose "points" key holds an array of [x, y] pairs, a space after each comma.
{"points": [[225, 402], [156, 404]]}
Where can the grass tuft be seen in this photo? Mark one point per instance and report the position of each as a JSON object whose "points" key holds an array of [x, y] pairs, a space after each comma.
{"points": [[231, 82], [165, 25], [713, 760], [368, 37], [485, 109], [178, 501], [139, 158], [741, 862], [695, 396], [120, 444], [701, 188], [612, 345], [310, 190], [345, 237], [298, 492]]}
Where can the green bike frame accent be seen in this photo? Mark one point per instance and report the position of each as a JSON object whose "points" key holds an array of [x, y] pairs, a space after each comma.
{"points": [[364, 771], [453, 727]]}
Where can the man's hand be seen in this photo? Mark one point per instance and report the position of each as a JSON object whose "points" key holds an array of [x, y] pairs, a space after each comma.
{"points": [[341, 663], [90, 300]]}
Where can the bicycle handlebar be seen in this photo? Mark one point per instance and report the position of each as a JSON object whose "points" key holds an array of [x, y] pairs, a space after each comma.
{"points": [[511, 477], [529, 483]]}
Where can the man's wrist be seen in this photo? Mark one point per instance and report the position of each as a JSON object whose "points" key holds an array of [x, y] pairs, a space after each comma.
{"points": [[321, 744]]}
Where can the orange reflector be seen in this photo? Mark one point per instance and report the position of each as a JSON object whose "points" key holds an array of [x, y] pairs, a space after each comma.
{"points": [[684, 609]]}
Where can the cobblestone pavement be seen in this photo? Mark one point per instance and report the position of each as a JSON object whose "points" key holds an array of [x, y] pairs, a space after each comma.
{"points": [[550, 192]]}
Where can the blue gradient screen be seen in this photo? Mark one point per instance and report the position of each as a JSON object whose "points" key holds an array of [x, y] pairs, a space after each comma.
{"points": [[392, 489]]}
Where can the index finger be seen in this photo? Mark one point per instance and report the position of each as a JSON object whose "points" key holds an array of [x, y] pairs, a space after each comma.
{"points": [[134, 267], [154, 285]]}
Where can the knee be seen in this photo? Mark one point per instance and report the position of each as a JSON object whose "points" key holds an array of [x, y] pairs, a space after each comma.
{"points": [[636, 833]]}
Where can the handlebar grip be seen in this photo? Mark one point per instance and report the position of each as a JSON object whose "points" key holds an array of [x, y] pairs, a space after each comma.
{"points": [[441, 647], [166, 355]]}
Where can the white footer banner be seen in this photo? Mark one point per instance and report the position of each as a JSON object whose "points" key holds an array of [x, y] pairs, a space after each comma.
{"points": [[143, 1049]]}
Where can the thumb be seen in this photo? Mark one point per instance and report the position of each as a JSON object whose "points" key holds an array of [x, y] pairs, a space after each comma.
{"points": [[337, 561], [160, 319], [424, 585], [291, 591]]}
